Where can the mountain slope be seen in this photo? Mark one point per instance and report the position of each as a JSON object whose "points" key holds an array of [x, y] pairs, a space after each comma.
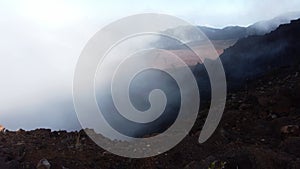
{"points": [[255, 55]]}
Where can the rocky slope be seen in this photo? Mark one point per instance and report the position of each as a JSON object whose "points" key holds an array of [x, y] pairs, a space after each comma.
{"points": [[259, 129]]}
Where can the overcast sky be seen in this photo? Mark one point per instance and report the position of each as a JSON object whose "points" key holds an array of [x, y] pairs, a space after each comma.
{"points": [[217, 13], [41, 40]]}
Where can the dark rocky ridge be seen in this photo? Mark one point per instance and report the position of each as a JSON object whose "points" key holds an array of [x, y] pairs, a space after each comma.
{"points": [[253, 56]]}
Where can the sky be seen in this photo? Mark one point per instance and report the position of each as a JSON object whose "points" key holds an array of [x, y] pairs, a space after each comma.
{"points": [[42, 40]]}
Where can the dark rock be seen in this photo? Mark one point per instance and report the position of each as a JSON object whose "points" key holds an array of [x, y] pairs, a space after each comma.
{"points": [[292, 146]]}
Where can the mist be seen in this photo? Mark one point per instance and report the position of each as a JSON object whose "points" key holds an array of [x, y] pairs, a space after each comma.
{"points": [[39, 51]]}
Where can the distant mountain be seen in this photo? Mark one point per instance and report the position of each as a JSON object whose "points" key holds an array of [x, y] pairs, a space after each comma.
{"points": [[263, 27], [258, 28], [230, 32], [228, 35]]}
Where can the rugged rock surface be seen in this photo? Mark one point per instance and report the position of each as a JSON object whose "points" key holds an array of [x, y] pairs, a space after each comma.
{"points": [[259, 129]]}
